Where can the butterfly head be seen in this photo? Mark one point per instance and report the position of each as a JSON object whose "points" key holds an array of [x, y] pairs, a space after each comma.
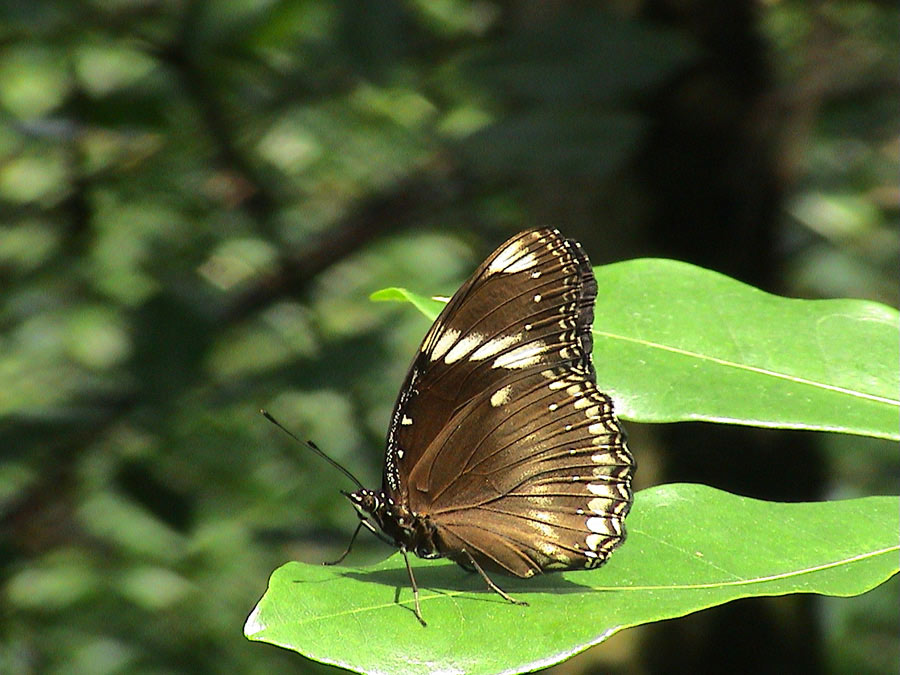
{"points": [[366, 502], [376, 507]]}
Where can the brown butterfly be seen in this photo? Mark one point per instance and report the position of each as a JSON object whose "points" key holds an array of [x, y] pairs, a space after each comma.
{"points": [[502, 454]]}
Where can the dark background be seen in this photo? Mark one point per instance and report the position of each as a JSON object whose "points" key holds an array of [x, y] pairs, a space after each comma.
{"points": [[198, 197]]}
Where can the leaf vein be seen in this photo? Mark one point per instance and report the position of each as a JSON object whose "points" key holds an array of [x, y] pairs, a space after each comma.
{"points": [[749, 368]]}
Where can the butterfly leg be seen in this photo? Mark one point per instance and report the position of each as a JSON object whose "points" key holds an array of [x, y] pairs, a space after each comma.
{"points": [[349, 546], [494, 587], [415, 587], [368, 526]]}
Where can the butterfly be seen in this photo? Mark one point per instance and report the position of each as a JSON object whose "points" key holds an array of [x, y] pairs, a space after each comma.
{"points": [[502, 455]]}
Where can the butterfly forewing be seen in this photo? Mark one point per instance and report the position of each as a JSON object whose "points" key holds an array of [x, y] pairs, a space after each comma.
{"points": [[525, 307], [500, 438]]}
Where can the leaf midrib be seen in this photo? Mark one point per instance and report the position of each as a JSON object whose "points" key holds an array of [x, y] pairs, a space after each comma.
{"points": [[424, 596], [749, 368]]}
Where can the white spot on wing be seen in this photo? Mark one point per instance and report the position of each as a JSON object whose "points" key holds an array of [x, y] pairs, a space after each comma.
{"points": [[524, 263], [593, 541], [501, 396], [601, 490], [463, 347], [540, 525], [495, 346], [599, 525], [599, 506], [446, 341], [521, 357], [406, 421], [548, 549], [507, 259]]}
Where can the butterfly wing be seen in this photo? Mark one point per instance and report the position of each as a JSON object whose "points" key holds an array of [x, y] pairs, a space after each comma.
{"points": [[528, 307], [532, 476], [524, 465]]}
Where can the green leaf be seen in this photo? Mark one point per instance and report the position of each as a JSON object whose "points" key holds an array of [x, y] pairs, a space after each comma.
{"points": [[430, 307], [675, 342], [681, 556]]}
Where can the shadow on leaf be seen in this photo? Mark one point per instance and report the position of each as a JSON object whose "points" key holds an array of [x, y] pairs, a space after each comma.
{"points": [[455, 579]]}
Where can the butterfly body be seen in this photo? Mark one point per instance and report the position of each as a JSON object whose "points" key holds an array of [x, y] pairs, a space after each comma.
{"points": [[502, 454], [409, 531]]}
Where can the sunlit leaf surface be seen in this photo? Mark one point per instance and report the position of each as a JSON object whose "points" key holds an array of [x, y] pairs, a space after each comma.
{"points": [[682, 555], [675, 342]]}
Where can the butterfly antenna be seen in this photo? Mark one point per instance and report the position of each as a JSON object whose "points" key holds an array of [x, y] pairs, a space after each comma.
{"points": [[312, 446]]}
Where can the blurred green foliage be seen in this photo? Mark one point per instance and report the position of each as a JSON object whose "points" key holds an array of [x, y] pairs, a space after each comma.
{"points": [[197, 199]]}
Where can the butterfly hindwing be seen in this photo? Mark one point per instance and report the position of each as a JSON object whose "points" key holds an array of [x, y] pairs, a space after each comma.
{"points": [[533, 476]]}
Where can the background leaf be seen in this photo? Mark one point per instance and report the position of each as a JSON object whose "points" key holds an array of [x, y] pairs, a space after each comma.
{"points": [[675, 342], [681, 556]]}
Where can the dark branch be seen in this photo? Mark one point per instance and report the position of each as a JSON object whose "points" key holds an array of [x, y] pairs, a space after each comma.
{"points": [[406, 204]]}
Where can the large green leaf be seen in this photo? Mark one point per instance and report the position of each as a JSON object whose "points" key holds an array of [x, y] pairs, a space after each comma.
{"points": [[689, 547], [674, 342]]}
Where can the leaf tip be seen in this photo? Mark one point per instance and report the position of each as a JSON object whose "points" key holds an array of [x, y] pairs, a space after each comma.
{"points": [[253, 626], [391, 294]]}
